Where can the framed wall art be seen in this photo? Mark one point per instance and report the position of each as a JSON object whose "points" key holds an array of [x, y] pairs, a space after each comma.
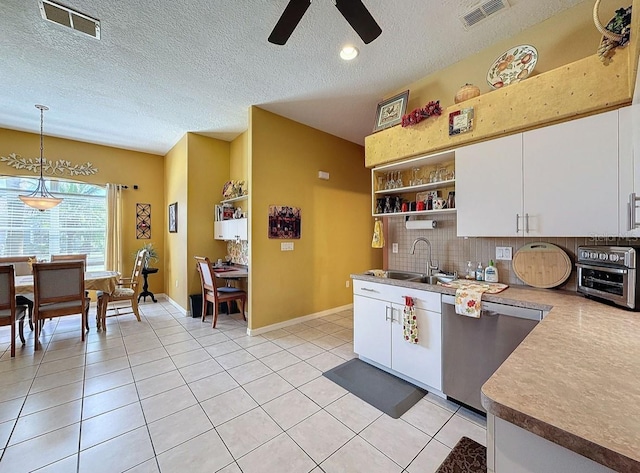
{"points": [[284, 222], [173, 218], [460, 121], [143, 221], [390, 111]]}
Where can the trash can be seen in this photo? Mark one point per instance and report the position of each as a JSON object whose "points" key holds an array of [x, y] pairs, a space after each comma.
{"points": [[195, 306]]}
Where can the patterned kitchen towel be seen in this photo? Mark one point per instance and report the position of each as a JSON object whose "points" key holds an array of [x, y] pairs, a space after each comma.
{"points": [[468, 300], [410, 321], [378, 235], [491, 287]]}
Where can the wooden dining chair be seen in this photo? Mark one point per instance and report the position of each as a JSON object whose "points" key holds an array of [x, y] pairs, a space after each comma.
{"points": [[22, 267], [74, 257], [127, 289], [212, 293], [9, 311], [59, 290]]}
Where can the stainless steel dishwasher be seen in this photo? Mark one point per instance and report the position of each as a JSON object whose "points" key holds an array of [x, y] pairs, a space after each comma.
{"points": [[474, 348]]}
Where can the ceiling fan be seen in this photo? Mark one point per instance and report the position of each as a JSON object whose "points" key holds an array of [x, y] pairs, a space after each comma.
{"points": [[353, 11]]}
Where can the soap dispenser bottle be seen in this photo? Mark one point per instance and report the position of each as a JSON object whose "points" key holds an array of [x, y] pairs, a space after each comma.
{"points": [[491, 273], [471, 273], [479, 272]]}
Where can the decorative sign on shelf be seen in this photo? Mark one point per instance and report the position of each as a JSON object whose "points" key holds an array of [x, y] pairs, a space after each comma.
{"points": [[53, 168], [460, 121], [143, 221], [284, 222]]}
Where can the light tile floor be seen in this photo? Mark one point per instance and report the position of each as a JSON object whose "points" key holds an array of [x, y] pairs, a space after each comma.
{"points": [[171, 394]]}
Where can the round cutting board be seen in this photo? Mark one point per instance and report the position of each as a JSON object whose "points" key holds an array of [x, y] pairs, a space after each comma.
{"points": [[542, 265]]}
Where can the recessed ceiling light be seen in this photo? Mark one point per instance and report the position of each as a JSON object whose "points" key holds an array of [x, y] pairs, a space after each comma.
{"points": [[348, 53]]}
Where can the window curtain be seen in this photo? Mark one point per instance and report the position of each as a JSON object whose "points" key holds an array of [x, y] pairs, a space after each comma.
{"points": [[113, 253]]}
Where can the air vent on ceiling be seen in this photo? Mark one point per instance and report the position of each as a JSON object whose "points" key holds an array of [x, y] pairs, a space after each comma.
{"points": [[482, 11], [65, 16]]}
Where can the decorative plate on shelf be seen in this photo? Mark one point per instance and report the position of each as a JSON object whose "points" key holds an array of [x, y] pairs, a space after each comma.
{"points": [[512, 66]]}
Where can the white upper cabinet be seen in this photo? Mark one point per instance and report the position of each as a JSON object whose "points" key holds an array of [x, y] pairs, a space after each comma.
{"points": [[560, 180], [571, 178], [629, 173], [232, 229], [489, 187]]}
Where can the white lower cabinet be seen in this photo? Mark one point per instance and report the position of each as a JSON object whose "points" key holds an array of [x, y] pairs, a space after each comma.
{"points": [[511, 449], [378, 335]]}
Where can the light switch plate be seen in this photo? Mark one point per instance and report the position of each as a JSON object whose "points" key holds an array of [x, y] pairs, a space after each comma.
{"points": [[504, 253], [394, 247], [286, 246]]}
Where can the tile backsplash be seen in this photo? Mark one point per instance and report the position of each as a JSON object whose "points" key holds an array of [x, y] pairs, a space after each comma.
{"points": [[452, 252], [239, 252]]}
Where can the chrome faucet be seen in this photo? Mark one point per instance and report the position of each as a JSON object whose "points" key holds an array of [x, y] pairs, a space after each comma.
{"points": [[430, 265]]}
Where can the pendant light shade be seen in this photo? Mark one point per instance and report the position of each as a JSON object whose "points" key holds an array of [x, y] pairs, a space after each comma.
{"points": [[41, 198]]}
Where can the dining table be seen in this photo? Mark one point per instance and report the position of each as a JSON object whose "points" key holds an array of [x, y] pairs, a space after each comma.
{"points": [[93, 281]]}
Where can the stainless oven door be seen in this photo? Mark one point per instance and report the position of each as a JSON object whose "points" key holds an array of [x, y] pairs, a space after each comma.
{"points": [[613, 284]]}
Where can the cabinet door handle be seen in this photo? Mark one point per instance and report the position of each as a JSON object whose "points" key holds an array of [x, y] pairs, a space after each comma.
{"points": [[386, 313], [526, 223], [632, 211], [369, 290], [517, 224]]}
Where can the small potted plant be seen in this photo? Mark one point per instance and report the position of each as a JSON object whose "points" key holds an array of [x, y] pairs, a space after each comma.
{"points": [[151, 256]]}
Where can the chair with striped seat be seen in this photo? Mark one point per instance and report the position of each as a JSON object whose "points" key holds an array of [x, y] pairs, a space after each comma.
{"points": [[127, 289]]}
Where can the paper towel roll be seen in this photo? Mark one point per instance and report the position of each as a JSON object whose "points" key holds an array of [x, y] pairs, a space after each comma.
{"points": [[420, 224]]}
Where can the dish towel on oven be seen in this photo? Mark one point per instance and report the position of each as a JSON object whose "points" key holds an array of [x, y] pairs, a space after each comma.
{"points": [[410, 321], [468, 299]]}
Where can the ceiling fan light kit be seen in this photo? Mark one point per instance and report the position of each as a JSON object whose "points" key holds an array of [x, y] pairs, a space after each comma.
{"points": [[353, 11]]}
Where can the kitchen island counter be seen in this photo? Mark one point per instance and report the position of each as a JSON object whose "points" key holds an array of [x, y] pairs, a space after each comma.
{"points": [[575, 379]]}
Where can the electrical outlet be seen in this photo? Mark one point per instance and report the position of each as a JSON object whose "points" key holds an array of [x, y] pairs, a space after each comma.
{"points": [[286, 246], [508, 253], [504, 253], [347, 283], [394, 247]]}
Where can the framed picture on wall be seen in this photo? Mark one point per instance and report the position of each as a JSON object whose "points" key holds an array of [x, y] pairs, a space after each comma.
{"points": [[390, 111], [173, 218]]}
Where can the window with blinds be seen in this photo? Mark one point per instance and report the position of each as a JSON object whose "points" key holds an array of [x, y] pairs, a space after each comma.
{"points": [[77, 225]]}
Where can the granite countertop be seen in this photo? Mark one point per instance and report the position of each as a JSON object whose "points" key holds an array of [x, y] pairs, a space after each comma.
{"points": [[575, 379]]}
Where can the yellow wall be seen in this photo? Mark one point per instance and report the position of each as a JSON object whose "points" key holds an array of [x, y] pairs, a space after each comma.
{"points": [[114, 165], [175, 179], [562, 39], [239, 158], [208, 170], [285, 158]]}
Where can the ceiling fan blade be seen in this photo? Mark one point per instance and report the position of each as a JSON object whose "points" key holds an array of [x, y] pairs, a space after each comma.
{"points": [[290, 18], [360, 19]]}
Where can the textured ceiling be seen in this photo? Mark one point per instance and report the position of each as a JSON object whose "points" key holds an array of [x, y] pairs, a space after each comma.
{"points": [[163, 68]]}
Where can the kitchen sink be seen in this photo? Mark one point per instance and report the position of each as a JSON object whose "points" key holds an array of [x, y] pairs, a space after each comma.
{"points": [[416, 277], [403, 275], [425, 279]]}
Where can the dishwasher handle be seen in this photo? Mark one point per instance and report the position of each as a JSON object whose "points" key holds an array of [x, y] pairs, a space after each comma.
{"points": [[493, 308]]}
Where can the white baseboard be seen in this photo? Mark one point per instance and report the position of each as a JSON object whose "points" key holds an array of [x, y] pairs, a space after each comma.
{"points": [[297, 320], [181, 309]]}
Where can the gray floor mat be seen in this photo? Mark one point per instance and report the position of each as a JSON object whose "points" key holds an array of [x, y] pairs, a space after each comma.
{"points": [[392, 395]]}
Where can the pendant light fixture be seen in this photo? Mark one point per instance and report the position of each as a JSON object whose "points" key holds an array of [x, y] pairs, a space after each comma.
{"points": [[41, 198]]}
